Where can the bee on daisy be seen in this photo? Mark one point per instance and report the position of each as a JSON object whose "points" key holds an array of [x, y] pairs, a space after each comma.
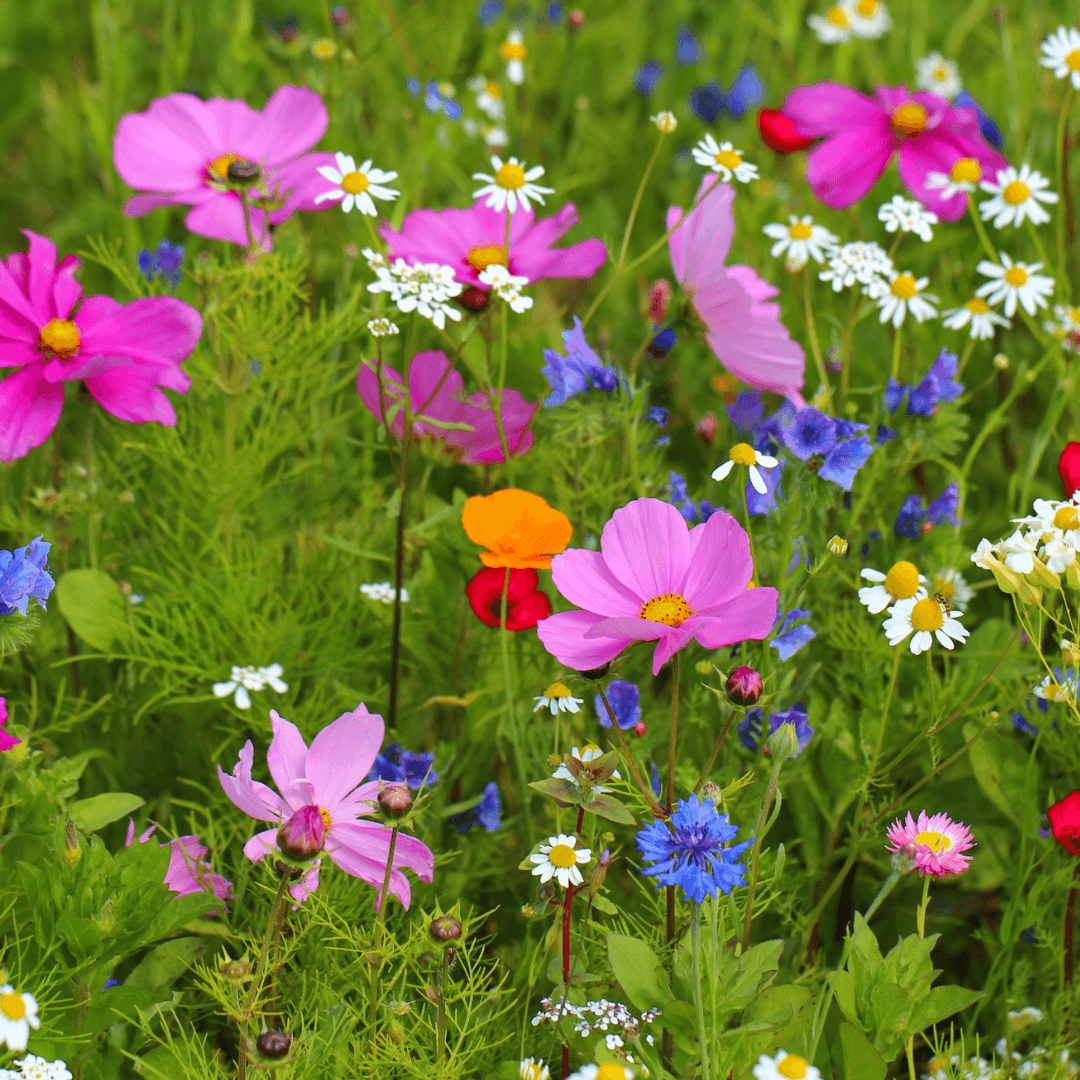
{"points": [[511, 186], [922, 621], [724, 159], [1017, 195]]}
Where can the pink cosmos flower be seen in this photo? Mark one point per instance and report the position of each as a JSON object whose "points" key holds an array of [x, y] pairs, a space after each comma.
{"points": [[861, 135], [179, 152], [744, 332], [123, 352], [938, 843], [7, 741], [473, 239], [654, 579], [188, 871], [443, 399], [328, 777]]}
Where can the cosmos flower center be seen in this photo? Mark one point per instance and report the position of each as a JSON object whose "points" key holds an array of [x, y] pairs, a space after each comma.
{"points": [[966, 170], [557, 690], [513, 50], [729, 159], [909, 119], [904, 286], [902, 581], [977, 306], [927, 615], [866, 8], [743, 454], [668, 608], [480, 258], [325, 815], [61, 336], [13, 1006], [562, 855], [510, 176], [837, 16], [799, 231], [1016, 276], [355, 183], [1016, 192], [937, 842], [1067, 518], [1072, 61], [793, 1067], [219, 167]]}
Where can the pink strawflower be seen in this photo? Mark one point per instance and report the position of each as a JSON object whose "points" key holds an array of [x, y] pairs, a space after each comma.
{"points": [[328, 777], [123, 352], [861, 135], [473, 239], [938, 842], [654, 579], [6, 741], [743, 331], [432, 395], [188, 871], [179, 150]]}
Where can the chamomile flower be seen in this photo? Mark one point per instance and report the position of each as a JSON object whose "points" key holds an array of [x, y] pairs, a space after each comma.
{"points": [[724, 159], [507, 287], [610, 1070], [18, 1014], [745, 454], [1016, 195], [511, 186], [558, 698], [903, 293], [922, 621], [666, 122], [245, 679], [962, 178], [977, 314], [1058, 686], [1015, 283], [800, 240], [902, 582], [869, 18], [834, 27], [784, 1066], [531, 1069], [907, 215], [559, 857], [950, 584], [357, 187], [488, 98], [513, 51], [589, 752], [938, 75], [1061, 53]]}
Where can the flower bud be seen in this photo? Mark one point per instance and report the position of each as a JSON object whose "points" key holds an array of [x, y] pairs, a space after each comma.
{"points": [[783, 742], [707, 426], [235, 970], [596, 673], [445, 928], [301, 837], [1070, 653], [576, 19], [903, 859], [106, 920], [1001, 362], [665, 122], [703, 667], [72, 849], [711, 792], [243, 173], [639, 728], [272, 1047], [659, 300], [545, 893], [395, 801], [837, 546], [744, 686]]}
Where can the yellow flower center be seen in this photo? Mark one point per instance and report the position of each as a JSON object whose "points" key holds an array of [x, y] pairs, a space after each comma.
{"points": [[355, 182], [530, 1071], [219, 167], [904, 286], [1072, 61], [729, 159], [799, 231], [1067, 518], [909, 119], [512, 50], [325, 815], [13, 1006], [492, 89], [1016, 192], [510, 176], [967, 170], [611, 1070], [61, 336], [935, 841], [480, 258], [977, 306], [323, 49], [562, 855], [1016, 276], [866, 8], [793, 1067], [927, 615], [838, 16], [667, 608], [941, 74], [743, 454], [944, 588], [1073, 315], [902, 581], [557, 690]]}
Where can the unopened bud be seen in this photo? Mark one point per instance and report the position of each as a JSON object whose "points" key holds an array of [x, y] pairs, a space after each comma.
{"points": [[235, 970], [576, 19], [445, 928], [106, 919], [640, 728], [744, 686], [243, 172], [707, 427], [1070, 653], [837, 546], [703, 667], [545, 894], [395, 801], [301, 837], [666, 122], [596, 673], [783, 742], [599, 872], [272, 1047], [903, 860], [711, 792], [659, 299], [72, 850], [1001, 362]]}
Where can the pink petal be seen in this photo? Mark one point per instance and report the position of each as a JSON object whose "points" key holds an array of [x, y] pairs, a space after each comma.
{"points": [[158, 329], [131, 393], [359, 802], [435, 392], [221, 217], [701, 243], [646, 547], [367, 386], [299, 182], [584, 579], [720, 564], [534, 257], [287, 754], [292, 121], [670, 644], [364, 849], [829, 108], [342, 754], [629, 628], [261, 844], [256, 800], [750, 616], [757, 289], [138, 205], [563, 635], [13, 297], [29, 409], [167, 147], [844, 168], [42, 267]]}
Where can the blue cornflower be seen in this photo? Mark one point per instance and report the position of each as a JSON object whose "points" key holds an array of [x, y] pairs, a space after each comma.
{"points": [[761, 504], [554, 13], [706, 102], [706, 509], [166, 261], [894, 395], [769, 433], [397, 766], [693, 855], [661, 440], [662, 344], [625, 700], [746, 410], [749, 728], [942, 511], [846, 429], [937, 385], [647, 76], [845, 460], [658, 415], [789, 637], [654, 779], [797, 717], [573, 373], [687, 47], [810, 432], [1021, 724], [489, 11], [747, 90], [23, 575], [413, 86], [436, 101], [990, 131], [908, 518], [487, 812], [884, 434], [110, 983]]}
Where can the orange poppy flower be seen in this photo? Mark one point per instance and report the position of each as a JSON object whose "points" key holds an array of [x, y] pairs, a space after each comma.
{"points": [[519, 529]]}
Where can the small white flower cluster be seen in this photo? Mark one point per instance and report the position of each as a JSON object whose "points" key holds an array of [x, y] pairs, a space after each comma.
{"points": [[1035, 1062], [382, 328], [424, 288], [907, 215], [243, 679], [1065, 326], [860, 262], [32, 1067], [597, 1016], [507, 286], [383, 592]]}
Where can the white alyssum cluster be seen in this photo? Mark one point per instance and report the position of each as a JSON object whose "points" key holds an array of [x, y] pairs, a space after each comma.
{"points": [[383, 592], [600, 1015], [907, 215], [860, 262], [33, 1067], [424, 287], [244, 679], [507, 286]]}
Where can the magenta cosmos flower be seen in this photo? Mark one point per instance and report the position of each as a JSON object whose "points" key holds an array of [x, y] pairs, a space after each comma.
{"points": [[472, 240], [861, 134], [744, 331], [188, 871], [441, 396], [123, 352], [938, 842], [327, 779], [184, 151], [654, 579]]}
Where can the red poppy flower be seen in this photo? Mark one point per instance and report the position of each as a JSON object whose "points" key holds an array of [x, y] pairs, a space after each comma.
{"points": [[525, 604], [779, 133], [1065, 821], [1069, 468]]}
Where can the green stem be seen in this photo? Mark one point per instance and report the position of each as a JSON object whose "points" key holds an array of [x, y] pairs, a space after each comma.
{"points": [[695, 946], [964, 356], [637, 202], [1064, 194], [815, 347], [673, 733], [440, 1034], [715, 751], [920, 914], [887, 887], [376, 939], [896, 353], [983, 238], [656, 808], [930, 678], [1039, 244], [763, 817], [749, 534], [247, 221]]}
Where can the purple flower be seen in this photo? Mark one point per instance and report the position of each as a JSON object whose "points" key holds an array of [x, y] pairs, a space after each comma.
{"points": [[937, 385], [486, 813], [894, 395], [884, 434], [166, 261], [396, 766], [573, 373], [759, 505], [750, 729], [706, 102], [662, 344], [687, 47], [907, 520], [489, 11], [706, 509], [746, 410], [942, 511], [647, 76], [625, 700], [769, 433], [796, 716], [810, 432], [845, 460], [658, 415], [680, 498], [790, 638], [990, 131], [846, 429], [23, 575]]}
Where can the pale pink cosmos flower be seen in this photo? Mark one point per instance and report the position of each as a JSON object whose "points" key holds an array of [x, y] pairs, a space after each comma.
{"points": [[179, 150], [123, 352], [744, 331], [188, 871], [441, 396], [654, 579], [861, 134], [938, 842], [329, 777]]}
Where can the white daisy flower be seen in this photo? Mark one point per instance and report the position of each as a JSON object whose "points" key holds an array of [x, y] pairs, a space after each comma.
{"points": [[511, 186], [1014, 283], [834, 27], [860, 262], [666, 122], [513, 51], [383, 592], [744, 454], [382, 328], [907, 216], [938, 75], [558, 698], [356, 187], [560, 858], [1058, 688], [902, 582], [784, 1066], [1061, 53], [489, 98], [951, 585], [1020, 552], [869, 18], [724, 159], [801, 239], [507, 287], [610, 1070], [18, 1014], [531, 1069], [902, 294], [978, 314], [589, 752], [964, 176], [926, 619], [1016, 195], [244, 679]]}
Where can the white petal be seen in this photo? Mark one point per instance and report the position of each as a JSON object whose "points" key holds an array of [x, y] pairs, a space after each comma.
{"points": [[330, 173], [242, 698], [223, 689], [346, 162], [723, 470], [765, 461], [755, 478]]}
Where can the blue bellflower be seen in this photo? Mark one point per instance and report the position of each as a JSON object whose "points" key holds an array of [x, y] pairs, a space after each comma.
{"points": [[810, 432], [790, 638], [908, 518], [625, 701], [746, 91], [166, 260], [489, 11], [688, 49], [693, 854], [749, 729], [397, 766], [706, 509], [680, 498], [554, 13], [658, 415], [939, 384], [577, 370], [990, 131], [894, 395], [486, 813], [23, 575], [647, 76], [796, 716], [845, 460], [884, 433], [942, 511], [746, 410], [436, 101], [662, 344], [706, 102]]}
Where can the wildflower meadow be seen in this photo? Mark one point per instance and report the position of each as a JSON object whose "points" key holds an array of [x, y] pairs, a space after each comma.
{"points": [[539, 542]]}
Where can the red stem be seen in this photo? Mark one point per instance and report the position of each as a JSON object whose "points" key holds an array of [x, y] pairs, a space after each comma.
{"points": [[566, 944]]}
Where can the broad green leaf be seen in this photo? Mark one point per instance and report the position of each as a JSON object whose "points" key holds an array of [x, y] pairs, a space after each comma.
{"points": [[639, 972], [101, 810], [563, 790], [166, 963], [94, 608], [855, 1056], [602, 903], [1001, 767], [606, 807], [754, 970], [941, 1003]]}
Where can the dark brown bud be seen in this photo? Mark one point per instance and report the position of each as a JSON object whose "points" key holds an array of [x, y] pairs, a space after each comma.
{"points": [[243, 171], [273, 1045], [596, 673]]}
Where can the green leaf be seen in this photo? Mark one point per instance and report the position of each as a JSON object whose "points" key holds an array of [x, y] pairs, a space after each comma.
{"points": [[755, 968], [166, 963], [1001, 768], [855, 1055], [606, 807], [563, 790], [93, 814], [94, 608], [639, 972], [602, 903], [941, 1003]]}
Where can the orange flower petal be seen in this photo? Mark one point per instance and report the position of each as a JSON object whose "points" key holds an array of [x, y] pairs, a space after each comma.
{"points": [[518, 528]]}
